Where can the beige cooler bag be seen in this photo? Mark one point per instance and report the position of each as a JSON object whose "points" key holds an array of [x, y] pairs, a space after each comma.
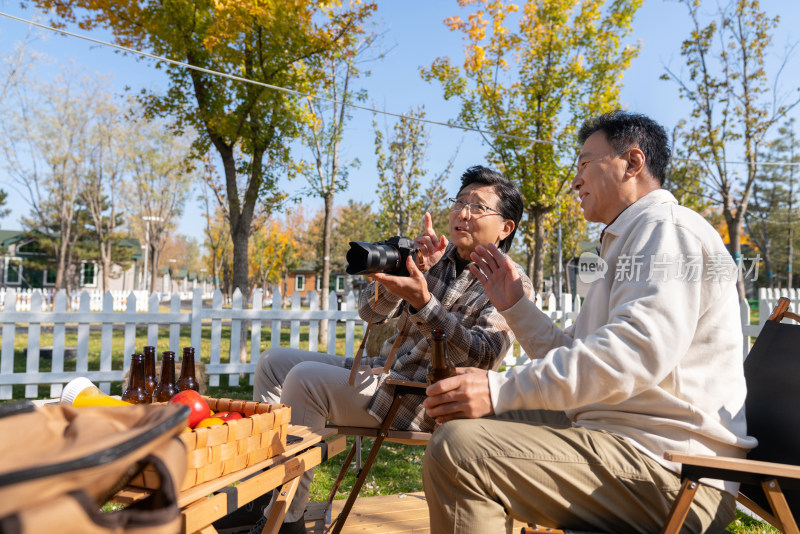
{"points": [[59, 464]]}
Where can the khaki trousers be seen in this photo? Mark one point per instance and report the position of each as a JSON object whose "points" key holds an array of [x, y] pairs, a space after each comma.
{"points": [[480, 473], [316, 387]]}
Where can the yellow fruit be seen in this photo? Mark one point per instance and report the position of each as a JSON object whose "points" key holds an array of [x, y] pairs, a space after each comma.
{"points": [[209, 421]]}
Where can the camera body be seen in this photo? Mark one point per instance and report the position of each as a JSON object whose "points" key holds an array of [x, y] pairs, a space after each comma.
{"points": [[387, 256]]}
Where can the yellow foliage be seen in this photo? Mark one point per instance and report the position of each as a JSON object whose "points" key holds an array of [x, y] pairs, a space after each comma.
{"points": [[539, 76], [454, 23], [272, 248], [475, 57]]}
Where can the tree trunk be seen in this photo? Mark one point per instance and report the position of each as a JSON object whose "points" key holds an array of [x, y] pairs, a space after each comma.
{"points": [[326, 265], [791, 230], [105, 261], [240, 235], [538, 250], [529, 254], [734, 227], [215, 268], [155, 257], [61, 266], [241, 216], [768, 267], [63, 252], [568, 280]]}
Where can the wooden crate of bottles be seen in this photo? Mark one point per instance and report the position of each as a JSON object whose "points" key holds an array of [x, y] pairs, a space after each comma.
{"points": [[222, 449]]}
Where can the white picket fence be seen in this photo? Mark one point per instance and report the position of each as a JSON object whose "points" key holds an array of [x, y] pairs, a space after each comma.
{"points": [[158, 324], [143, 311], [95, 299]]}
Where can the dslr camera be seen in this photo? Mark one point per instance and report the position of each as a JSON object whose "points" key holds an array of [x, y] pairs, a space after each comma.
{"points": [[381, 257]]}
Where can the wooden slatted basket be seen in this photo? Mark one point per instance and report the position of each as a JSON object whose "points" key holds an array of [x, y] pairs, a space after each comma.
{"points": [[218, 450]]}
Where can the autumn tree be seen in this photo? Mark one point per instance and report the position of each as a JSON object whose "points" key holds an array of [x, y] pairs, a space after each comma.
{"points": [[217, 235], [181, 253], [534, 77], [102, 183], [684, 177], [160, 179], [733, 105], [404, 193], [773, 212], [327, 171], [16, 65], [355, 221], [280, 43], [3, 211], [273, 247], [47, 150], [13, 70]]}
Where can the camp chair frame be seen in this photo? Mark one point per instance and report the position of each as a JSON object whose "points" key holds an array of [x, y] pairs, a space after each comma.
{"points": [[402, 388], [772, 477]]}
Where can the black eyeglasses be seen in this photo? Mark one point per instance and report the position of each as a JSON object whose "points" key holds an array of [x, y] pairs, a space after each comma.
{"points": [[474, 208]]}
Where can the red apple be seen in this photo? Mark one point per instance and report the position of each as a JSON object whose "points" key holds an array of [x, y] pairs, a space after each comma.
{"points": [[192, 399], [228, 416]]}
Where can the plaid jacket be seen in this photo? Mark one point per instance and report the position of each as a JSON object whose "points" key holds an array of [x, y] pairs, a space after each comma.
{"points": [[477, 335]]}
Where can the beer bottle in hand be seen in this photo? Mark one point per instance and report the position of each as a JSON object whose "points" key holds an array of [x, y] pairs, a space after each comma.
{"points": [[166, 387], [135, 393], [149, 369], [440, 367], [187, 379]]}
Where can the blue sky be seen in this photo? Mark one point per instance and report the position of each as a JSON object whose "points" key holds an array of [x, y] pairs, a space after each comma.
{"points": [[415, 36]]}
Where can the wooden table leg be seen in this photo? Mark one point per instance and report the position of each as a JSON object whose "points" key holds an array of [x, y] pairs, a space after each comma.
{"points": [[281, 506]]}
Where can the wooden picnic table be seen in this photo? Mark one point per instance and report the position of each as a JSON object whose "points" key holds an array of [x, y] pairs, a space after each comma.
{"points": [[203, 504]]}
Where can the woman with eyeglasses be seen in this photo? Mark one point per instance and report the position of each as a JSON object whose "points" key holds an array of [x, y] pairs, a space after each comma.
{"points": [[440, 293]]}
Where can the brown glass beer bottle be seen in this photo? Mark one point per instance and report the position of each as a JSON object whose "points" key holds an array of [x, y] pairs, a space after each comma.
{"points": [[166, 387], [440, 367], [187, 379], [135, 393], [149, 369]]}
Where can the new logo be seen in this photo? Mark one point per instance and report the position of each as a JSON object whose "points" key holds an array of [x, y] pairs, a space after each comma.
{"points": [[591, 267]]}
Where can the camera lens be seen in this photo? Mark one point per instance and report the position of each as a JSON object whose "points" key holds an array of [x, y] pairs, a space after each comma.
{"points": [[368, 258]]}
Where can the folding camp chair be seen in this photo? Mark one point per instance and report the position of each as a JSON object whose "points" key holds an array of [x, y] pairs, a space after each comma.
{"points": [[402, 389], [770, 476]]}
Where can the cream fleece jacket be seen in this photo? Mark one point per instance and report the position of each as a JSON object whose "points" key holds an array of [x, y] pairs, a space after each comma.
{"points": [[655, 353]]}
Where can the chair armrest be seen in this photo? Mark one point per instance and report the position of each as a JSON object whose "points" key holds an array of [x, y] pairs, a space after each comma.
{"points": [[406, 383], [735, 464], [411, 437]]}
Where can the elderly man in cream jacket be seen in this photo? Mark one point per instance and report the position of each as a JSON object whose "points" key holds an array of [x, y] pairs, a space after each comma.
{"points": [[652, 363]]}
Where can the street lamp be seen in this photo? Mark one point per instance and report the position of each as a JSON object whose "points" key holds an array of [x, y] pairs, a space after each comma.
{"points": [[147, 219]]}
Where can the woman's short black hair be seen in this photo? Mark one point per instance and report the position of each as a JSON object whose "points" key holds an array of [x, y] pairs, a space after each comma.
{"points": [[510, 205], [625, 131]]}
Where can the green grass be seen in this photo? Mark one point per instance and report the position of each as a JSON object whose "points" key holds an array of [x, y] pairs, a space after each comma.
{"points": [[397, 469], [744, 524]]}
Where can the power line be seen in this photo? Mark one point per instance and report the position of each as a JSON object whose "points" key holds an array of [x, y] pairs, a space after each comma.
{"points": [[276, 87], [753, 163], [334, 101]]}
